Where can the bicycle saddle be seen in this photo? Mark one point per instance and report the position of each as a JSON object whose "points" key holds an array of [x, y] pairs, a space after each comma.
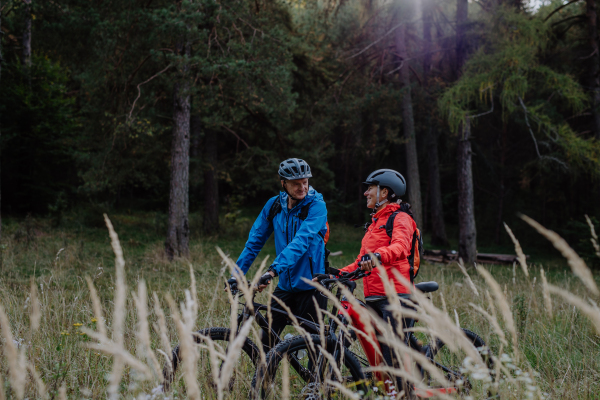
{"points": [[427, 287]]}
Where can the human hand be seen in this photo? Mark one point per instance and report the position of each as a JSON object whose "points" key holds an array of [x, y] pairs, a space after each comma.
{"points": [[231, 284], [320, 277], [265, 280], [367, 263]]}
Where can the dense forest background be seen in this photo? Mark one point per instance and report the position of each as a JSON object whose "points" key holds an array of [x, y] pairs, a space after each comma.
{"points": [[489, 108]]}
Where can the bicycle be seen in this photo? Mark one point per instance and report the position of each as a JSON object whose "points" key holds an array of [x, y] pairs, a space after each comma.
{"points": [[250, 356], [327, 378]]}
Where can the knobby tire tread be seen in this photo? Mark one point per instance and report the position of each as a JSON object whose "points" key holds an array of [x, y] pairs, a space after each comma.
{"points": [[294, 344]]}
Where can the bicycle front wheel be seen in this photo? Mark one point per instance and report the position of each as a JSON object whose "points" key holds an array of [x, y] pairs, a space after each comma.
{"points": [[450, 363], [243, 370], [311, 374]]}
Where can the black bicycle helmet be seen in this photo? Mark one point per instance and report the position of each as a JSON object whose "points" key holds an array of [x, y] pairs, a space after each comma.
{"points": [[388, 178], [294, 168]]}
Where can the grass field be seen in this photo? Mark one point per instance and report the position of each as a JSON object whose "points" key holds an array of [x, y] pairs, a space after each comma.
{"points": [[559, 351]]}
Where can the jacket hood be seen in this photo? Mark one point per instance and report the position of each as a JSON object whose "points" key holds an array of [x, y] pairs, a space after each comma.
{"points": [[311, 196]]}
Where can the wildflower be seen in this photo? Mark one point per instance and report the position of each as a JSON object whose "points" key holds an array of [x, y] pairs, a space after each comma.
{"points": [[77, 325], [64, 333], [94, 320]]}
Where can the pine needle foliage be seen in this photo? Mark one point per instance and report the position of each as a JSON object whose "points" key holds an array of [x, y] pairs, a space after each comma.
{"points": [[508, 69]]}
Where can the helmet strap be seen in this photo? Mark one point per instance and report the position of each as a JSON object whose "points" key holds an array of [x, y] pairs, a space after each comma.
{"points": [[288, 193], [379, 203]]}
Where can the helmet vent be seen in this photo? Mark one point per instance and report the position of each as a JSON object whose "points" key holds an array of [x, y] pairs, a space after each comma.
{"points": [[294, 168]]}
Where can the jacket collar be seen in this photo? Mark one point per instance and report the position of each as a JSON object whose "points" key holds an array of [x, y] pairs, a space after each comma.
{"points": [[386, 210], [310, 196]]}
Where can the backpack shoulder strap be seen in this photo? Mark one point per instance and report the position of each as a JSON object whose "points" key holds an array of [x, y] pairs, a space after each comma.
{"points": [[275, 209], [304, 211], [389, 225], [304, 214]]}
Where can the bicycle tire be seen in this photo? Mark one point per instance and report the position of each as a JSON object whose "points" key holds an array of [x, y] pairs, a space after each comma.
{"points": [[433, 353], [262, 387], [216, 335]]}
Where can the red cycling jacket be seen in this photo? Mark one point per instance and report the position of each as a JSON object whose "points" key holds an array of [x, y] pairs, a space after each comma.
{"points": [[394, 252]]}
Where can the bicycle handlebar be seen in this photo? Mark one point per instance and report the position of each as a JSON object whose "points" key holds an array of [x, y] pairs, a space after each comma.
{"points": [[347, 280]]}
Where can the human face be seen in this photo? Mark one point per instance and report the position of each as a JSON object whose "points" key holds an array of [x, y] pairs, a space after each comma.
{"points": [[371, 195], [298, 188]]}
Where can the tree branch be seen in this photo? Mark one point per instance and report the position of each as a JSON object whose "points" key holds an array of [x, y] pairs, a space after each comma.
{"points": [[537, 150], [491, 110], [378, 40], [140, 90], [236, 135], [568, 19], [560, 8]]}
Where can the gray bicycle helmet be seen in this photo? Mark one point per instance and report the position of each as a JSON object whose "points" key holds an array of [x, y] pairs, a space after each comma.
{"points": [[294, 168], [388, 178]]}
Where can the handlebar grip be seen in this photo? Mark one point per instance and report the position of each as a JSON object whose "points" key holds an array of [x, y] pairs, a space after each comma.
{"points": [[326, 282]]}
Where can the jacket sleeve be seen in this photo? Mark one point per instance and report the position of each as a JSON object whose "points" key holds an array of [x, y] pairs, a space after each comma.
{"points": [[309, 231], [260, 232], [401, 243]]}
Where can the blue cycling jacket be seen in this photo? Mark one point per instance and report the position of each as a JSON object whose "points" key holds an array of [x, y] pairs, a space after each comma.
{"points": [[299, 247]]}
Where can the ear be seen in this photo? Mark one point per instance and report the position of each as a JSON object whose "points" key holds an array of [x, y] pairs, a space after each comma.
{"points": [[384, 193], [282, 182]]}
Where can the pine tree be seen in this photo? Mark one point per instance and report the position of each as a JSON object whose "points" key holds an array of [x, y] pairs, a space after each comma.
{"points": [[506, 76]]}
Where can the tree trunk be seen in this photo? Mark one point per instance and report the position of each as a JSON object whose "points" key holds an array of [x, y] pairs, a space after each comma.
{"points": [[211, 186], [594, 68], [467, 233], [195, 135], [178, 231], [1, 61], [412, 165], [462, 13], [438, 227], [502, 185], [26, 44]]}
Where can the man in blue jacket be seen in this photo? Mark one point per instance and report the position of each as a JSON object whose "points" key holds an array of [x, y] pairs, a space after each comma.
{"points": [[298, 218]]}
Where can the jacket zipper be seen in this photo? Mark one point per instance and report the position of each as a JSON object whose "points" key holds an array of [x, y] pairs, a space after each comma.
{"points": [[369, 232], [287, 239], [312, 275]]}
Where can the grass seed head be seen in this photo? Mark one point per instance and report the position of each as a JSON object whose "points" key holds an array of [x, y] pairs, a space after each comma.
{"points": [[16, 362], [578, 266], [520, 255], [502, 304], [36, 314], [461, 265], [591, 311], [546, 293], [594, 238]]}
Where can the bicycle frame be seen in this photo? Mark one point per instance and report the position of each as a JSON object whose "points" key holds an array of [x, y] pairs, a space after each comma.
{"points": [[262, 322]]}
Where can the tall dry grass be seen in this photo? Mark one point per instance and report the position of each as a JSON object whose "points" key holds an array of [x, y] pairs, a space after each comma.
{"points": [[69, 336]]}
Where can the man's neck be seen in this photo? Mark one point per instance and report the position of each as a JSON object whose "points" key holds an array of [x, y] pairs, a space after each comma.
{"points": [[291, 203]]}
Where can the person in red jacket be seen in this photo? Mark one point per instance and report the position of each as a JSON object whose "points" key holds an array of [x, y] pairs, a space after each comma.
{"points": [[385, 186]]}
